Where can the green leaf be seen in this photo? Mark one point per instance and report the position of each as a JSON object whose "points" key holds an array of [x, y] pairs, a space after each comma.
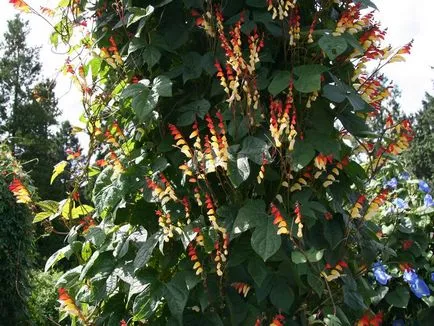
{"points": [[58, 255], [151, 55], [256, 149], [238, 170], [144, 103], [279, 82], [145, 251], [136, 44], [162, 86], [81, 210], [353, 299], [250, 215], [316, 283], [332, 320], [191, 69], [302, 155], [380, 293], [354, 42], [333, 232], [355, 124], [282, 296], [48, 205], [41, 216], [334, 93], [237, 307], [309, 78], [176, 294], [298, 258], [89, 264], [86, 251], [58, 169], [147, 302], [265, 241], [96, 236], [333, 46], [191, 110], [399, 297], [137, 13], [258, 270], [132, 90]]}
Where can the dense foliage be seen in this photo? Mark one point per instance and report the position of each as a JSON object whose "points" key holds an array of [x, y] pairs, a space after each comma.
{"points": [[15, 243], [230, 166], [42, 302], [421, 160]]}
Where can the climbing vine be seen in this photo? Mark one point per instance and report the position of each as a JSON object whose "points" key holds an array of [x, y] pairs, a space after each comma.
{"points": [[230, 154]]}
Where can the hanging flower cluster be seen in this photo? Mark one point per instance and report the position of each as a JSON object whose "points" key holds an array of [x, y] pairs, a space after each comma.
{"points": [[204, 21], [20, 5], [20, 191], [334, 272], [163, 195], [241, 288], [197, 266], [165, 222], [240, 74], [352, 21], [298, 220], [280, 8], [111, 55], [68, 304], [294, 27], [283, 120], [205, 156], [355, 211], [282, 226], [379, 200]]}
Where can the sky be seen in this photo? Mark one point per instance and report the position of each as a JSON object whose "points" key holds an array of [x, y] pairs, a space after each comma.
{"points": [[405, 20]]}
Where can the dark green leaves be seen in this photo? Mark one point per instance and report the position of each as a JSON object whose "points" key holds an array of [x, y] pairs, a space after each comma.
{"points": [[238, 169], [282, 295], [309, 78], [191, 110], [192, 67], [144, 100], [250, 215], [145, 251], [176, 294], [280, 82], [333, 46], [151, 55], [256, 149], [398, 297], [162, 86], [265, 241]]}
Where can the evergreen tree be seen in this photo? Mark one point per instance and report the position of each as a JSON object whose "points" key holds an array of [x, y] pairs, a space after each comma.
{"points": [[28, 106], [421, 157]]}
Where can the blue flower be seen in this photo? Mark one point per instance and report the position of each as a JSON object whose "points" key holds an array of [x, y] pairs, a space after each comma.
{"points": [[409, 275], [400, 203], [423, 186], [419, 288], [398, 322], [428, 201], [405, 175], [416, 283], [432, 276], [380, 274], [392, 183]]}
